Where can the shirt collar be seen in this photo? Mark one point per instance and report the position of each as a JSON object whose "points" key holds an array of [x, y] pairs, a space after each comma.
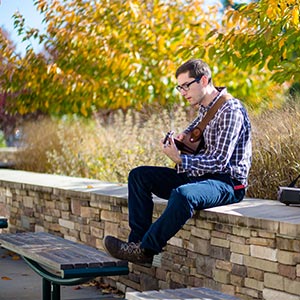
{"points": [[222, 90]]}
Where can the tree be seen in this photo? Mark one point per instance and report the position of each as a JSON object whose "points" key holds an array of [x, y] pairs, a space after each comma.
{"points": [[264, 34], [112, 54], [8, 121], [115, 54]]}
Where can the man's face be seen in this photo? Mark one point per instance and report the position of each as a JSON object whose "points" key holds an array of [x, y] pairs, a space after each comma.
{"points": [[194, 92]]}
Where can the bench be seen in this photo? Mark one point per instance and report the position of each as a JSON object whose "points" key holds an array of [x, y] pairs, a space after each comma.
{"points": [[3, 222], [180, 294], [61, 262]]}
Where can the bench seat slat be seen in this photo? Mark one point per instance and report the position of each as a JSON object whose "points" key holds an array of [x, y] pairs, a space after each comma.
{"points": [[57, 253], [199, 293]]}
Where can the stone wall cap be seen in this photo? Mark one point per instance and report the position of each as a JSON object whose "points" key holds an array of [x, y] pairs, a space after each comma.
{"points": [[77, 184]]}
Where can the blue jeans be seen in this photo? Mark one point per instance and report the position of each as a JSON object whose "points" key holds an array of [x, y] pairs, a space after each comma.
{"points": [[185, 195]]}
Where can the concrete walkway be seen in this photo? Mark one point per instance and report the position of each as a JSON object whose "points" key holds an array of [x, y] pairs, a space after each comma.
{"points": [[19, 282]]}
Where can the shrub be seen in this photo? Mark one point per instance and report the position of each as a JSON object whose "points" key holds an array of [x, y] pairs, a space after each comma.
{"points": [[276, 152], [109, 150]]}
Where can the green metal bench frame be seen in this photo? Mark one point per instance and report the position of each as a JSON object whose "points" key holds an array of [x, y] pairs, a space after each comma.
{"points": [[3, 222]]}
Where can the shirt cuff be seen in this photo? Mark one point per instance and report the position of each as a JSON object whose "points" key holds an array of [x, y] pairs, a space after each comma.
{"points": [[183, 167]]}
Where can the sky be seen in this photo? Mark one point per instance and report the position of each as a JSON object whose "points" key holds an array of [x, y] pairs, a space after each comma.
{"points": [[32, 17]]}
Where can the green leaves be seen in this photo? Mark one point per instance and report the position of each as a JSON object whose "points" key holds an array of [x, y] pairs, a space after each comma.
{"points": [[112, 54]]}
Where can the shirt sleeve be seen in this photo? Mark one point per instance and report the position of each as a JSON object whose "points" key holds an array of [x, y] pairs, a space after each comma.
{"points": [[221, 139]]}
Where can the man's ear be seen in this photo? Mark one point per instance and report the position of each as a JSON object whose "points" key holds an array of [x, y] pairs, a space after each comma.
{"points": [[204, 80]]}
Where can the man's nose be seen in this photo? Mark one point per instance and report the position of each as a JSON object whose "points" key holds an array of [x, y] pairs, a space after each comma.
{"points": [[183, 92]]}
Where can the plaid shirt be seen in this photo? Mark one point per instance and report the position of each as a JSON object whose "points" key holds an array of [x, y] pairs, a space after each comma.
{"points": [[227, 143]]}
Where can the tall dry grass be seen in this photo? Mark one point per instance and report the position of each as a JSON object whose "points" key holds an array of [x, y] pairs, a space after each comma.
{"points": [[109, 150], [276, 152]]}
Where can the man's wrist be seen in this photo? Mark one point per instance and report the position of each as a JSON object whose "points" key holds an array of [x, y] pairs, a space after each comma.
{"points": [[178, 161]]}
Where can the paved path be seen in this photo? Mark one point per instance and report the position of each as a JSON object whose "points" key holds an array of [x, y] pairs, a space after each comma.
{"points": [[19, 282]]}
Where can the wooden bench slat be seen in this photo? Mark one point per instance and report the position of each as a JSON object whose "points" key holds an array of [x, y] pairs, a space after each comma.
{"points": [[56, 252], [200, 293]]}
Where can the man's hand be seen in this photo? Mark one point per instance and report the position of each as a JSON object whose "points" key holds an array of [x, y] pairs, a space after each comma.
{"points": [[171, 150]]}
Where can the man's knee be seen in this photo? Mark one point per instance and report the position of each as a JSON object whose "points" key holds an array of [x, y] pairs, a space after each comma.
{"points": [[178, 199], [135, 173]]}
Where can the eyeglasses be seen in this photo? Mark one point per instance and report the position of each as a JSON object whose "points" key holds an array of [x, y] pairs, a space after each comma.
{"points": [[186, 86]]}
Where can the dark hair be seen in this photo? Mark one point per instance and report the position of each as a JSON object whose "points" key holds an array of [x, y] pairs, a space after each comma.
{"points": [[196, 68]]}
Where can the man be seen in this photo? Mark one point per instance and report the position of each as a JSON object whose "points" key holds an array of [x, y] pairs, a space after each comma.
{"points": [[217, 175]]}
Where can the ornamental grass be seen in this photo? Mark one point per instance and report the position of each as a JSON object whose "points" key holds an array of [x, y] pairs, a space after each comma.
{"points": [[108, 147]]}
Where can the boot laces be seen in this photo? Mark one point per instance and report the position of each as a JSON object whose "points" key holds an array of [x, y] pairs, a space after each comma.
{"points": [[131, 248]]}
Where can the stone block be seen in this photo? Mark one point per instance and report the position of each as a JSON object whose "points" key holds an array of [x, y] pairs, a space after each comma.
{"points": [[183, 234], [254, 284], [205, 265], [263, 252], [66, 223], [63, 205], [221, 227], [148, 282], [200, 232], [290, 229], [291, 286], [175, 241], [256, 274], [161, 274], [287, 271], [269, 243], [221, 276], [239, 248], [97, 232], [289, 244], [110, 216], [228, 289], [28, 202], [223, 265], [241, 231], [75, 207], [270, 294], [199, 246], [261, 264], [220, 252], [288, 257], [179, 278], [27, 223], [90, 212], [111, 228], [274, 281], [239, 270], [253, 294], [298, 270], [236, 239], [220, 242], [236, 280], [204, 224]]}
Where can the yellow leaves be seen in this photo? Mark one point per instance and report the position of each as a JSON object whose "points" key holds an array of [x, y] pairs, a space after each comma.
{"points": [[5, 278], [134, 8], [53, 68], [41, 5], [108, 53], [295, 15], [83, 110], [277, 10], [281, 42]]}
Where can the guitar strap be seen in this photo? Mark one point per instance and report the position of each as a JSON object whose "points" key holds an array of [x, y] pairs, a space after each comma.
{"points": [[197, 131]]}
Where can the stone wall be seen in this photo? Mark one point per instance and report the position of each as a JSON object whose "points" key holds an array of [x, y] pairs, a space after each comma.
{"points": [[250, 249]]}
